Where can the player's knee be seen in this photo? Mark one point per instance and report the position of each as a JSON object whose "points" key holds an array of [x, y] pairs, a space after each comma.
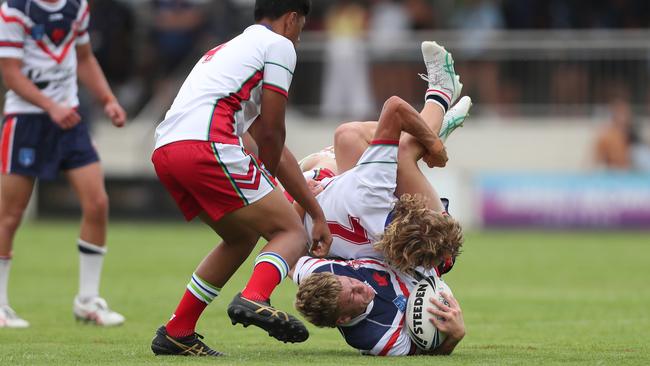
{"points": [[11, 219], [298, 233], [350, 131], [97, 207], [393, 105]]}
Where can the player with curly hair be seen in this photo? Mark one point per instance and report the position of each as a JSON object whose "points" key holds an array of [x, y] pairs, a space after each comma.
{"points": [[361, 205]]}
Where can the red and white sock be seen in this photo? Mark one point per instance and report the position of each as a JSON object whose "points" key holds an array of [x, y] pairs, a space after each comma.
{"points": [[198, 295], [270, 269]]}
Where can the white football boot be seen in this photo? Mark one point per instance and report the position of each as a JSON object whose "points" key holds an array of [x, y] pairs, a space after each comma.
{"points": [[455, 117], [441, 75], [9, 318], [96, 311]]}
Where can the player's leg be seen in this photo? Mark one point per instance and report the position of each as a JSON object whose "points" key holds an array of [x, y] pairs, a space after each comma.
{"points": [[15, 192], [350, 141], [274, 218], [230, 187], [212, 274], [88, 183]]}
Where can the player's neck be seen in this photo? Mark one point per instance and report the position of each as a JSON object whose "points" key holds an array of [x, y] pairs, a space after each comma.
{"points": [[276, 26]]}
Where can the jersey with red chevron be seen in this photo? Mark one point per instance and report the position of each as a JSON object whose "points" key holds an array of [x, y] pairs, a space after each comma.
{"points": [[357, 203], [380, 330], [221, 97], [44, 35]]}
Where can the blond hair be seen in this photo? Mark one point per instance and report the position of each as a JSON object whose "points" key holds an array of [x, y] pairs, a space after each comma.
{"points": [[418, 236], [317, 299]]}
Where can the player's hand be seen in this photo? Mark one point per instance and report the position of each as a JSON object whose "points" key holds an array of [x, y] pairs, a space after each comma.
{"points": [[436, 157], [448, 319], [64, 117], [321, 238], [314, 186], [116, 113]]}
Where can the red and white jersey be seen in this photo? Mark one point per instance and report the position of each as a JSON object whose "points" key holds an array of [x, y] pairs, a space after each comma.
{"points": [[44, 35], [357, 203], [380, 330], [221, 96]]}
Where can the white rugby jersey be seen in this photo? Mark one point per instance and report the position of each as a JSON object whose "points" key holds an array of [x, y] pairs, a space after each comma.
{"points": [[358, 202], [381, 330], [221, 96], [44, 35]]}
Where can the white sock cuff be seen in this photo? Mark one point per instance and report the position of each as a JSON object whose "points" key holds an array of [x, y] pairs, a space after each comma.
{"points": [[90, 248]]}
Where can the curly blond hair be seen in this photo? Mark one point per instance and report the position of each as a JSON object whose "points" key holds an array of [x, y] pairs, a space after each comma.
{"points": [[418, 236], [317, 299]]}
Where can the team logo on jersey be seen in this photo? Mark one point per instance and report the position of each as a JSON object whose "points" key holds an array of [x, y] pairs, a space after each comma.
{"points": [[57, 35], [380, 279], [400, 303], [26, 156], [38, 31]]}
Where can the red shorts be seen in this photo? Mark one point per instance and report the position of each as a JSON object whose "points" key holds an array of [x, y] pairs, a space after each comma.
{"points": [[211, 177]]}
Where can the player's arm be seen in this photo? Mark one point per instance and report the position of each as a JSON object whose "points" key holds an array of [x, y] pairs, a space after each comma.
{"points": [[397, 116], [269, 130], [293, 181], [14, 79], [91, 75]]}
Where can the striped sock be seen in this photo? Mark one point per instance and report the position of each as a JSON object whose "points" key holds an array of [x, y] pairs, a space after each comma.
{"points": [[198, 295], [91, 259], [439, 97], [270, 269]]}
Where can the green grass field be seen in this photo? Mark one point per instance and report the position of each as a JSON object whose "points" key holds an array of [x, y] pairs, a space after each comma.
{"points": [[528, 298]]}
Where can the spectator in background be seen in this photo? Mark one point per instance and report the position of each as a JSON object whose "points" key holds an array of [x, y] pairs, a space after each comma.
{"points": [[421, 14], [477, 20], [112, 34], [346, 84], [389, 26], [177, 27], [619, 145]]}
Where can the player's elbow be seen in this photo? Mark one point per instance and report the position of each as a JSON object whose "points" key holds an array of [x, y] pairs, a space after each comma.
{"points": [[270, 138]]}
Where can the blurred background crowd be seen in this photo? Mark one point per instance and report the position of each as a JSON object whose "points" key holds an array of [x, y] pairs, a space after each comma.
{"points": [[515, 57], [558, 85]]}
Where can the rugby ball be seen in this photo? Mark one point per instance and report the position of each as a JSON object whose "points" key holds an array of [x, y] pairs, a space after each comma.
{"points": [[422, 332]]}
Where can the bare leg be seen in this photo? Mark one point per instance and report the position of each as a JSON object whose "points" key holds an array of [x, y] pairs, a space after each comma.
{"points": [[88, 183], [15, 191], [272, 217], [224, 260], [351, 140]]}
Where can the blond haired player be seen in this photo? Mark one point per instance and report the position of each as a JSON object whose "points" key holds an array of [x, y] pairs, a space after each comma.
{"points": [[386, 208]]}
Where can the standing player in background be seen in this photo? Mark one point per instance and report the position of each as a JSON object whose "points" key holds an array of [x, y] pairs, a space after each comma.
{"points": [[238, 91], [44, 48]]}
